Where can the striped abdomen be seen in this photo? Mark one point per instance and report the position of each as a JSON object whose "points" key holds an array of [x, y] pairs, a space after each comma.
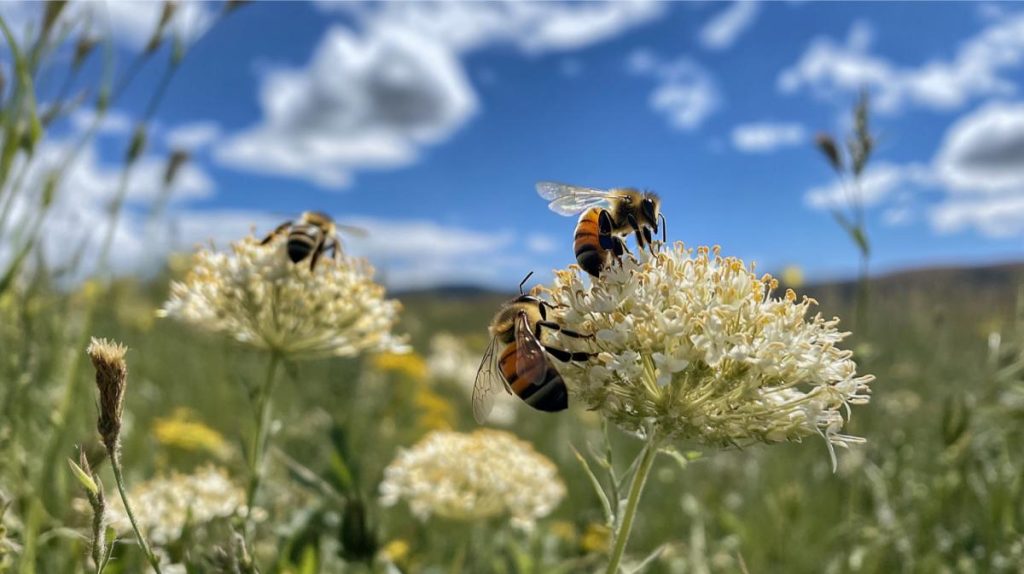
{"points": [[302, 240], [549, 394], [590, 254]]}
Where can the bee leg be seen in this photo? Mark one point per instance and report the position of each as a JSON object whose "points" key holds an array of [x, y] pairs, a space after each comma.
{"points": [[566, 356], [552, 305], [604, 229], [336, 250], [277, 231], [647, 238], [556, 327], [318, 250], [637, 231]]}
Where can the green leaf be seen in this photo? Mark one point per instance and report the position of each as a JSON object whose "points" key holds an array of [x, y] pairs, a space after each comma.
{"points": [[605, 505], [83, 478]]}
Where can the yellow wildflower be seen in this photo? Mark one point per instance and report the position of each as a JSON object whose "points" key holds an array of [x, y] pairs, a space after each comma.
{"points": [[596, 538], [408, 364], [395, 551], [182, 430]]}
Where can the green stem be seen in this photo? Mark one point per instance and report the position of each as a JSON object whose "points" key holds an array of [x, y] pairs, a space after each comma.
{"points": [[115, 464], [636, 488], [259, 440]]}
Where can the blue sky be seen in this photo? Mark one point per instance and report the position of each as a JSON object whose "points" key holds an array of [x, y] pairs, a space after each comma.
{"points": [[429, 124]]}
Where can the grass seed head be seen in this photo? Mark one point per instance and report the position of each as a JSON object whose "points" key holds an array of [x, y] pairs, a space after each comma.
{"points": [[111, 379]]}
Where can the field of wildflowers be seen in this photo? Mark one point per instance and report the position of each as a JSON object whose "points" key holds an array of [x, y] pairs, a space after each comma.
{"points": [[242, 413]]}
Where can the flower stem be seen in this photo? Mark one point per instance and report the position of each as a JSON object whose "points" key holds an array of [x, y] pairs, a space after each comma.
{"points": [[259, 439], [115, 464], [636, 488]]}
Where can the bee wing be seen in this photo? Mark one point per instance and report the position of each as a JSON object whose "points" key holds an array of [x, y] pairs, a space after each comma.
{"points": [[531, 361], [570, 199], [352, 230], [488, 382]]}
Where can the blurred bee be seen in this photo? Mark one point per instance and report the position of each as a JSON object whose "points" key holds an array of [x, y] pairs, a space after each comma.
{"points": [[314, 233], [607, 216], [522, 366]]}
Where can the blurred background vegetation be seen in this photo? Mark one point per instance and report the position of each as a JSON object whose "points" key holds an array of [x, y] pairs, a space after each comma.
{"points": [[937, 488]]}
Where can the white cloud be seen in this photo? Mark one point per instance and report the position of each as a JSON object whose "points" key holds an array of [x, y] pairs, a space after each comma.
{"points": [[685, 93], [374, 99], [983, 152], [541, 243], [114, 122], [976, 70], [362, 102], [534, 27], [977, 173], [996, 217], [981, 165], [193, 135], [879, 183], [728, 25], [79, 215], [130, 24], [763, 137]]}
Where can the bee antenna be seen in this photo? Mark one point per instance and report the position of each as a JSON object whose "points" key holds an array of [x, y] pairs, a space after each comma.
{"points": [[664, 228], [523, 282]]}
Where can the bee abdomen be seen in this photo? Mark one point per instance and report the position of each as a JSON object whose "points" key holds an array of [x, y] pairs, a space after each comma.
{"points": [[550, 395], [300, 245], [590, 254]]}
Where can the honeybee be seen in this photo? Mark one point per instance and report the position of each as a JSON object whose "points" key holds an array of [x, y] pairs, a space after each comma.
{"points": [[607, 216], [314, 233], [522, 367]]}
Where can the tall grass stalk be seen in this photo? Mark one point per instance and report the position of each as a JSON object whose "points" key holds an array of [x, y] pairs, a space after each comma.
{"points": [[115, 465], [260, 437], [636, 489]]}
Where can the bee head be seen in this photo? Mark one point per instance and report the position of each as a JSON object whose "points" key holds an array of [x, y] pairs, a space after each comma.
{"points": [[650, 207]]}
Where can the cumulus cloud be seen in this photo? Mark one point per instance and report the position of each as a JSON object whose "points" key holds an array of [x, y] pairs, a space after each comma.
{"points": [[981, 165], [193, 135], [728, 25], [684, 92], [375, 98], [878, 183], [977, 70], [764, 137], [364, 101], [533, 27], [984, 151], [114, 122], [976, 176], [995, 217], [79, 215], [130, 24]]}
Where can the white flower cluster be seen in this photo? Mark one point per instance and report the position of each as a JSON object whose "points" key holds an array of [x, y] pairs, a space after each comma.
{"points": [[164, 505], [471, 476], [692, 345], [255, 294]]}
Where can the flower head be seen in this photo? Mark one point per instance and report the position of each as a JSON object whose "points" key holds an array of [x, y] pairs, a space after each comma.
{"points": [[163, 506], [183, 431], [482, 474], [692, 345], [256, 295], [111, 379]]}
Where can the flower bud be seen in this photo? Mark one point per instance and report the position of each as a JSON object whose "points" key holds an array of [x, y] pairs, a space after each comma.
{"points": [[111, 379]]}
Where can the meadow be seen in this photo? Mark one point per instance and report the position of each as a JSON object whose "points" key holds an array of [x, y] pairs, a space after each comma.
{"points": [[231, 469]]}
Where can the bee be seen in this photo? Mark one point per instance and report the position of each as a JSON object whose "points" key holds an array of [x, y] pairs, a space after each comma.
{"points": [[516, 359], [313, 235], [607, 216]]}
